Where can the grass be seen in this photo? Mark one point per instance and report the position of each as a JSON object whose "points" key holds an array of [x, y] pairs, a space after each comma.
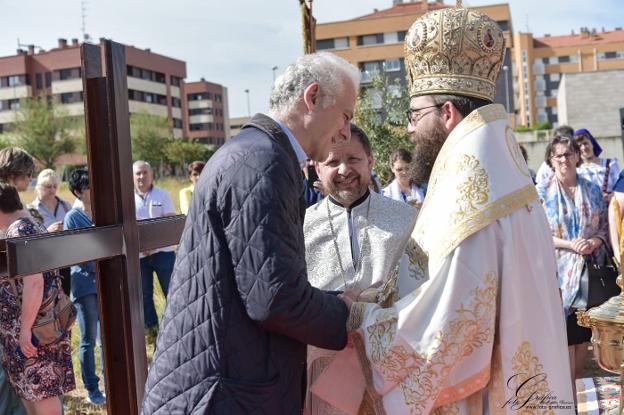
{"points": [[76, 402]]}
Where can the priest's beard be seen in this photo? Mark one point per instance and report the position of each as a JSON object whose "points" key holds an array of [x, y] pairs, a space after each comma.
{"points": [[347, 197], [427, 146]]}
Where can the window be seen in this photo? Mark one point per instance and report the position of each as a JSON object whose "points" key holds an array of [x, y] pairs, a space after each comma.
{"points": [[218, 98], [177, 123], [392, 65], [175, 102], [68, 73], [610, 55], [620, 54], [70, 97], [554, 77], [391, 37], [325, 44], [401, 35], [573, 58], [14, 80], [175, 81], [553, 60], [341, 43], [39, 80], [48, 79], [601, 56], [368, 69], [367, 40], [14, 104], [503, 24]]}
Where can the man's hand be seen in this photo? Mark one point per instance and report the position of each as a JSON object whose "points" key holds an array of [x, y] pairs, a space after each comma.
{"points": [[347, 300]]}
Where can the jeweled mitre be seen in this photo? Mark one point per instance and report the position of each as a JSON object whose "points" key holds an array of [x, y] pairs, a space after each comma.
{"points": [[454, 51]]}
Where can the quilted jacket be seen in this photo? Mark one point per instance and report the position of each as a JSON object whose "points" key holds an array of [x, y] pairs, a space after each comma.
{"points": [[240, 310]]}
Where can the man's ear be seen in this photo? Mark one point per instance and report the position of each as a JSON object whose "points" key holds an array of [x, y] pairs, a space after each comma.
{"points": [[317, 167], [450, 116], [312, 96]]}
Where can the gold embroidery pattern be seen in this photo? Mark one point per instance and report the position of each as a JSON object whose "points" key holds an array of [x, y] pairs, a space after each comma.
{"points": [[482, 217], [473, 192], [356, 315], [525, 365], [450, 409], [417, 374], [516, 154], [372, 402]]}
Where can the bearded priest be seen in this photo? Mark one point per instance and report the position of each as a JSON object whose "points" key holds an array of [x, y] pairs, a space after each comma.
{"points": [[356, 243], [486, 332]]}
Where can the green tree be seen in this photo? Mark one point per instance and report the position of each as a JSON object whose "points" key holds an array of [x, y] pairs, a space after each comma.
{"points": [[150, 137], [45, 131], [183, 151], [380, 112]]}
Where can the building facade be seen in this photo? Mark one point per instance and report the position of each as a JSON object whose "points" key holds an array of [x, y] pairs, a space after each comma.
{"points": [[540, 64], [206, 112], [374, 42], [155, 82]]}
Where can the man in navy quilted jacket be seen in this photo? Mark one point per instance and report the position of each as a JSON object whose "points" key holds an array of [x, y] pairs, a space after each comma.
{"points": [[240, 310]]}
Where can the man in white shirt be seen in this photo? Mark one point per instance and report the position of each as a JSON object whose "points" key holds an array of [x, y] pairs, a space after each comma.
{"points": [[152, 202]]}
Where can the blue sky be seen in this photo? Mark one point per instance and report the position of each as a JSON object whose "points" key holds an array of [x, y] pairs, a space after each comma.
{"points": [[237, 42]]}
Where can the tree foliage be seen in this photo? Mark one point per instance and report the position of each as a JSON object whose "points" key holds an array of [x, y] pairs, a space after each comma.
{"points": [[380, 112], [183, 151], [45, 131], [150, 136]]}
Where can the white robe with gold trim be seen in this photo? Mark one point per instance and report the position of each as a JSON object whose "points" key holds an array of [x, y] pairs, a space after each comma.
{"points": [[486, 332], [382, 229]]}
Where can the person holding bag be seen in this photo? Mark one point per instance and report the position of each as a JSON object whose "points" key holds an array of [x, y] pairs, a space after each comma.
{"points": [[577, 216], [34, 324]]}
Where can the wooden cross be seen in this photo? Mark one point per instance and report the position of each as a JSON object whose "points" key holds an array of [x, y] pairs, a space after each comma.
{"points": [[116, 239]]}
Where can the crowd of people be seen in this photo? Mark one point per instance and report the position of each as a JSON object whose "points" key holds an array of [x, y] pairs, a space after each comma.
{"points": [[301, 284]]}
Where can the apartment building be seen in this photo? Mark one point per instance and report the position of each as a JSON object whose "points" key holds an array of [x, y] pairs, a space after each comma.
{"points": [[155, 82], [374, 42], [540, 63], [206, 113]]}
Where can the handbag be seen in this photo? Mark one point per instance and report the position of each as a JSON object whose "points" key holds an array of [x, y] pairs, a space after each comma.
{"points": [[597, 283], [55, 317]]}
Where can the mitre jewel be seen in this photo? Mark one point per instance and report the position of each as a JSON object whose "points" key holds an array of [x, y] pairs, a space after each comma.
{"points": [[454, 51]]}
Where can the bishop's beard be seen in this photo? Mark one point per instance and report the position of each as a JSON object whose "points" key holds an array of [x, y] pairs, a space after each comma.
{"points": [[427, 146]]}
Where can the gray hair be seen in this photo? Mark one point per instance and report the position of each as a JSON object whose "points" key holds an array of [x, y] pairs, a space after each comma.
{"points": [[140, 163], [328, 70]]}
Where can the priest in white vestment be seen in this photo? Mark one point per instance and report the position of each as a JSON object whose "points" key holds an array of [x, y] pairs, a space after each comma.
{"points": [[485, 333], [356, 241]]}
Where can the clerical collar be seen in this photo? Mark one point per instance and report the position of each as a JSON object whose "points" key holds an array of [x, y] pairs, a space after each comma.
{"points": [[354, 204]]}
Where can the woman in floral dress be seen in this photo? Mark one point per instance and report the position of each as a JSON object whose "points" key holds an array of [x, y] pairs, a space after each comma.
{"points": [[39, 374]]}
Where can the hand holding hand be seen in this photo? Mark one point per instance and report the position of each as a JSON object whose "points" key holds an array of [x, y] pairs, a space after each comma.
{"points": [[25, 341], [347, 300]]}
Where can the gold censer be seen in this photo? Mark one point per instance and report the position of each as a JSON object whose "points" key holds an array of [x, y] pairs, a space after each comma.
{"points": [[607, 325]]}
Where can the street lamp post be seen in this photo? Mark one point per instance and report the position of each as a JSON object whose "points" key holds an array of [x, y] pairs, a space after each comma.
{"points": [[507, 106], [248, 103], [274, 69]]}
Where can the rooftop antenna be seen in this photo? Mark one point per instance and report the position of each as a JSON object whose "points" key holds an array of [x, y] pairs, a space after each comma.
{"points": [[527, 23], [83, 14]]}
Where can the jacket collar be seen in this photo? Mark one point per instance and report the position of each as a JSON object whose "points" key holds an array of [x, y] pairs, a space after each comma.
{"points": [[275, 132]]}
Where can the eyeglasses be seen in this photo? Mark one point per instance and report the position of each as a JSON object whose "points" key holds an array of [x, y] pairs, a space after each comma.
{"points": [[413, 117], [560, 157]]}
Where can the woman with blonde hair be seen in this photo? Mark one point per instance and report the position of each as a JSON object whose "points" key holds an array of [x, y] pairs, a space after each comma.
{"points": [[51, 207]]}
